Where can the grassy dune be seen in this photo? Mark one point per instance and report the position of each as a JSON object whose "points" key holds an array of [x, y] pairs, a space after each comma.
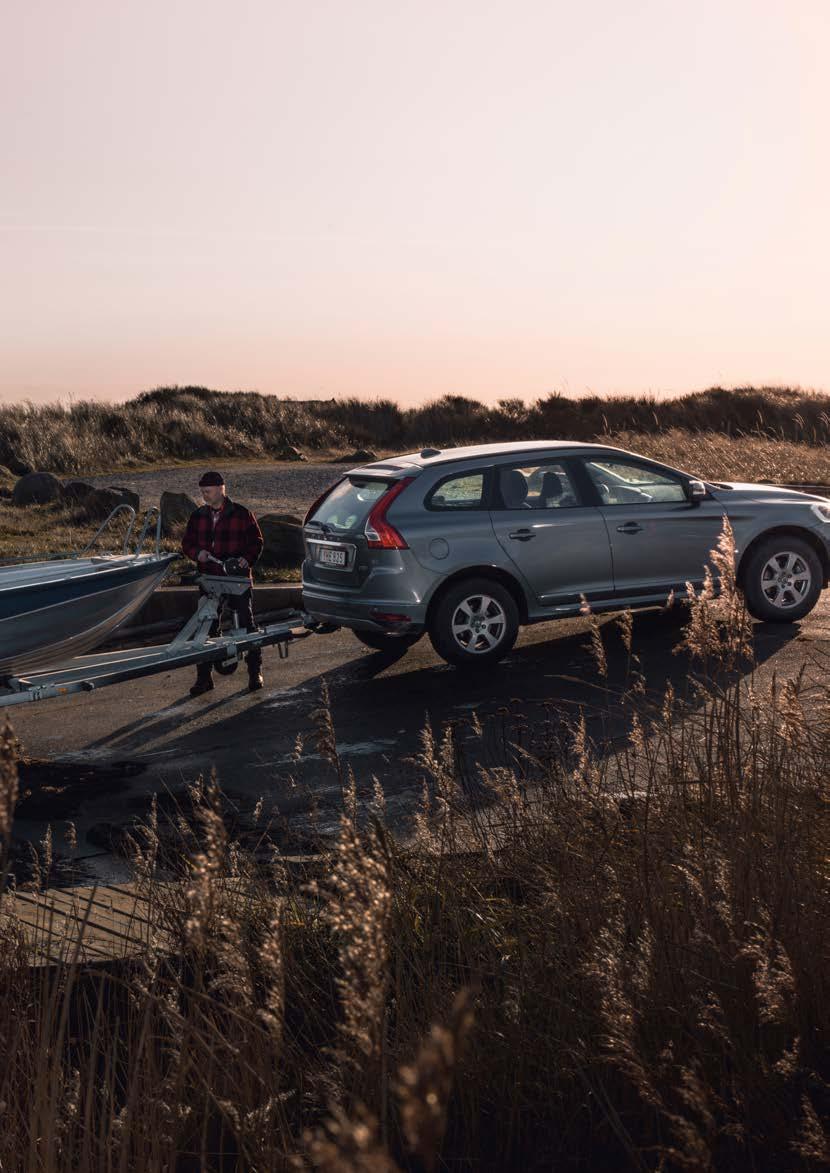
{"points": [[589, 956], [194, 423]]}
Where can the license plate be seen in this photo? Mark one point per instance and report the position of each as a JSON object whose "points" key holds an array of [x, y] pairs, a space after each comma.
{"points": [[331, 557]]}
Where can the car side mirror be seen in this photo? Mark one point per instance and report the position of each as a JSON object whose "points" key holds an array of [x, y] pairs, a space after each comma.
{"points": [[695, 490]]}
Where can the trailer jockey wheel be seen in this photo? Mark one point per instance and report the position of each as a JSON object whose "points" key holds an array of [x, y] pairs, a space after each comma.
{"points": [[227, 667]]}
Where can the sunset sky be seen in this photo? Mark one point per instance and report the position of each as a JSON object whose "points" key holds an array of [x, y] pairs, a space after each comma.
{"points": [[377, 198]]}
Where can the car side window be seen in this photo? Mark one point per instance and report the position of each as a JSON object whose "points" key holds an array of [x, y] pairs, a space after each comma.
{"points": [[463, 491], [625, 482], [536, 486]]}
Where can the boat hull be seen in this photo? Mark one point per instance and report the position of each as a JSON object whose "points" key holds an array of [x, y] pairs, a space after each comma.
{"points": [[50, 612]]}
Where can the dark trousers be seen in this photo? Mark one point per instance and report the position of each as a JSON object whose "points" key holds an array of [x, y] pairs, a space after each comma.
{"points": [[242, 613]]}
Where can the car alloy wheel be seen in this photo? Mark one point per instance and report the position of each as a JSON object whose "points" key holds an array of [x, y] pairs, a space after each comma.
{"points": [[478, 624], [785, 579], [474, 623]]}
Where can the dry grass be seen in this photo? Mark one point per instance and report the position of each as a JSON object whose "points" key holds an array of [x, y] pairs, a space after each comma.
{"points": [[715, 456], [640, 936], [194, 423], [58, 530]]}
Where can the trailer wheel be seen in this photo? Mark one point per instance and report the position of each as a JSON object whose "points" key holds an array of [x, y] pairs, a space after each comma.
{"points": [[226, 667]]}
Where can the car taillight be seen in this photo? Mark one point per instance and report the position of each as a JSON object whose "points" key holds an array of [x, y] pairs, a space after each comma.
{"points": [[380, 535], [320, 500]]}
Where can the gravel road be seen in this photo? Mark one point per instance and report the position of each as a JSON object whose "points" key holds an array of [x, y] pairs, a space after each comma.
{"points": [[271, 487]]}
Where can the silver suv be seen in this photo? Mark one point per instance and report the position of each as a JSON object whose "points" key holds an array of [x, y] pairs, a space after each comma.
{"points": [[470, 543]]}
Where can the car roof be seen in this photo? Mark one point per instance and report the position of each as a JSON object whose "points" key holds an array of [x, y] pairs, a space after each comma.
{"points": [[428, 457]]}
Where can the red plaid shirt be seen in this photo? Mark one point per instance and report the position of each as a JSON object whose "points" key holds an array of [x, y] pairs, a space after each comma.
{"points": [[236, 534]]}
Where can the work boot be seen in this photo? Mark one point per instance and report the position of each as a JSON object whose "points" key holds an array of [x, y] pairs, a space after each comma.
{"points": [[204, 680], [255, 681]]}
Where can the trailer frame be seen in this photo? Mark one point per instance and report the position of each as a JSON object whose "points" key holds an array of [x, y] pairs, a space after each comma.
{"points": [[192, 645]]}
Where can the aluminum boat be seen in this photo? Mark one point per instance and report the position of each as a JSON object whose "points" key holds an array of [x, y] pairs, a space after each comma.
{"points": [[51, 611]]}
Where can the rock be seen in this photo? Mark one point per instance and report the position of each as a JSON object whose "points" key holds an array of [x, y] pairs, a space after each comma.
{"points": [[283, 542], [75, 492], [127, 496], [99, 503], [37, 488], [362, 456], [176, 509], [289, 453]]}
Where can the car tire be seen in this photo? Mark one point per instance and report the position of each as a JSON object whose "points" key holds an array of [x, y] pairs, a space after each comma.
{"points": [[475, 623], [379, 641], [782, 579]]}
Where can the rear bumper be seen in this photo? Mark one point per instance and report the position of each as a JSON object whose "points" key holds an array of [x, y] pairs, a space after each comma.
{"points": [[366, 615]]}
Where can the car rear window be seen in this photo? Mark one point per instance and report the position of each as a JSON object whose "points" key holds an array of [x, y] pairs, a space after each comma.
{"points": [[349, 504]]}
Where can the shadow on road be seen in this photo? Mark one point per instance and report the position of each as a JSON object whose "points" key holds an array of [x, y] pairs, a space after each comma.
{"points": [[379, 707]]}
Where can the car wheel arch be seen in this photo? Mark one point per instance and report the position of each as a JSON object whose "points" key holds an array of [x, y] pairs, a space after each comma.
{"points": [[792, 531], [493, 572]]}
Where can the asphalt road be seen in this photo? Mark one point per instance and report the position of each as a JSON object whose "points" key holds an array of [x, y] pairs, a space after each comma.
{"points": [[108, 752]]}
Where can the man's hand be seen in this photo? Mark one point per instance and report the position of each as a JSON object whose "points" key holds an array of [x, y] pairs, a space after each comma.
{"points": [[203, 556]]}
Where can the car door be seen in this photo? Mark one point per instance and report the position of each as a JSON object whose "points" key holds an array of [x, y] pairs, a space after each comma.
{"points": [[659, 538], [557, 541]]}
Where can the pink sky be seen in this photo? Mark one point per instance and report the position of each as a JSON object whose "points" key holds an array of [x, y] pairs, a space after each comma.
{"points": [[380, 198]]}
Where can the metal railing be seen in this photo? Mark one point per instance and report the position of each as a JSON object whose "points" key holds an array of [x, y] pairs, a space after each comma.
{"points": [[148, 516], [152, 512]]}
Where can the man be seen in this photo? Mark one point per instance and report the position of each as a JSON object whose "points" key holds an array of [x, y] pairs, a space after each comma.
{"points": [[221, 529]]}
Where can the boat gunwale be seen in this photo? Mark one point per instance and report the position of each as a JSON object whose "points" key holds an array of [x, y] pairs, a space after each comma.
{"points": [[125, 562]]}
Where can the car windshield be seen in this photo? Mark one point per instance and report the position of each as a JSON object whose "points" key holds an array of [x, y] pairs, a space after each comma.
{"points": [[349, 504]]}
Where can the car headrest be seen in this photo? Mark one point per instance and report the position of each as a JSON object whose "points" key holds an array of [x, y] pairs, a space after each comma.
{"points": [[513, 488], [551, 486]]}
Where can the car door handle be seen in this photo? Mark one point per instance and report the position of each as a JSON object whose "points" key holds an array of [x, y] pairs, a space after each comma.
{"points": [[522, 535], [630, 527]]}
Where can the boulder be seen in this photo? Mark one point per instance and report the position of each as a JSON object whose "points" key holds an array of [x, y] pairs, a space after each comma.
{"points": [[127, 496], [283, 542], [176, 509], [36, 488], [362, 456], [75, 492], [99, 503], [289, 452]]}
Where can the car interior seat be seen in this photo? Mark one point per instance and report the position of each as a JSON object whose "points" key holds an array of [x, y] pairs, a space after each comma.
{"points": [[550, 491], [513, 489]]}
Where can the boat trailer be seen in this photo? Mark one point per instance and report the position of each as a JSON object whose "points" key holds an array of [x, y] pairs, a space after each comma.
{"points": [[192, 645]]}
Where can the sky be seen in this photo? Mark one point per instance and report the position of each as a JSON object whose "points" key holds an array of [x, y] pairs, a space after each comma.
{"points": [[375, 198]]}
